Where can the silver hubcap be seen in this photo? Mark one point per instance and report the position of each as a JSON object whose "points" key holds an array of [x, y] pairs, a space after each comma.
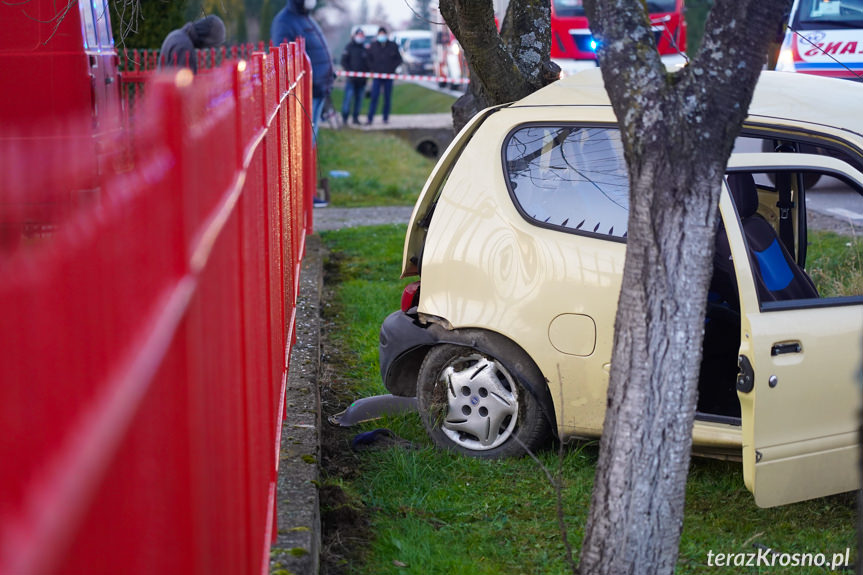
{"points": [[482, 403]]}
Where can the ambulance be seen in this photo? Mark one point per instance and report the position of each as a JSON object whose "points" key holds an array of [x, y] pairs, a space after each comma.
{"points": [[825, 38]]}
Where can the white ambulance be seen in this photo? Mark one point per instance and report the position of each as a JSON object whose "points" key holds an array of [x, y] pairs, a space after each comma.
{"points": [[825, 38]]}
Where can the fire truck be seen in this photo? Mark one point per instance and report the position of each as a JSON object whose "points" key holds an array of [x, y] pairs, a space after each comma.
{"points": [[573, 47], [58, 63], [449, 61], [61, 92]]}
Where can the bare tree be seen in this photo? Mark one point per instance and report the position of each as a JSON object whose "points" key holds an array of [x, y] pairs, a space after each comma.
{"points": [[678, 130], [380, 17], [504, 66], [421, 18]]}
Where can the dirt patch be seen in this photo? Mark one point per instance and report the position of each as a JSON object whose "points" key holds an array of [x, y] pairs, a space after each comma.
{"points": [[344, 519], [344, 530]]}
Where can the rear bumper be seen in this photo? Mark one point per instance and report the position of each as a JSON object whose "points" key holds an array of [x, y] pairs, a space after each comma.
{"points": [[403, 345]]}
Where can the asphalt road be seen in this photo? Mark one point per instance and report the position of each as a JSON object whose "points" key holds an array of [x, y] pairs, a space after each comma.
{"points": [[833, 198]]}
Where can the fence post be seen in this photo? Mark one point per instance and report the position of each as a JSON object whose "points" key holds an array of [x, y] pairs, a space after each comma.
{"points": [[310, 180]]}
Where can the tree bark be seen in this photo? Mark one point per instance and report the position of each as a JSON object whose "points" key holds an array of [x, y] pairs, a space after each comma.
{"points": [[506, 66], [678, 131]]}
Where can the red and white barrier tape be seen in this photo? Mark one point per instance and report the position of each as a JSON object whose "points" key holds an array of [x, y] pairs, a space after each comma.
{"points": [[440, 79]]}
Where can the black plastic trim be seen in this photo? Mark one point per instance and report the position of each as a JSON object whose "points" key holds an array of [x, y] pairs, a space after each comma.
{"points": [[812, 303], [716, 418]]}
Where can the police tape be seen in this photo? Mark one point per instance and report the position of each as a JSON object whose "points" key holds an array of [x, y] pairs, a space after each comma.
{"points": [[439, 79]]}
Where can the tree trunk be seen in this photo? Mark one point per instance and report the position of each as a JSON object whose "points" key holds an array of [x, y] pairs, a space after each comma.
{"points": [[503, 67], [678, 131]]}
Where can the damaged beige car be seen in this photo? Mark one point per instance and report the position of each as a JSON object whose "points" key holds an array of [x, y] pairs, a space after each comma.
{"points": [[519, 238]]}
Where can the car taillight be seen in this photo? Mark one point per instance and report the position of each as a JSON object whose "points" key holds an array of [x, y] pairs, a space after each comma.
{"points": [[410, 296]]}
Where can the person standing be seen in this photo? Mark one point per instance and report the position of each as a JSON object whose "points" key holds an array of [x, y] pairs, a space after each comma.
{"points": [[293, 21], [384, 58], [178, 49], [355, 58]]}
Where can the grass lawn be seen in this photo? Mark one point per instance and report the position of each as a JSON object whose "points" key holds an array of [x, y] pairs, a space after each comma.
{"points": [[384, 170], [408, 98], [835, 263], [436, 512]]}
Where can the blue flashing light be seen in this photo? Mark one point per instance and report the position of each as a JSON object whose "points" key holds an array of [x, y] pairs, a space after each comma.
{"points": [[593, 44]]}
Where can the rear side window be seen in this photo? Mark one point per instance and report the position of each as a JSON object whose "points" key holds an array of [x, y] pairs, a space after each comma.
{"points": [[569, 178]]}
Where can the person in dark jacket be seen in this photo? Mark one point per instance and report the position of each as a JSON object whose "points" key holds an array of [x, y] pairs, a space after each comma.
{"points": [[355, 58], [179, 46], [293, 21], [384, 57]]}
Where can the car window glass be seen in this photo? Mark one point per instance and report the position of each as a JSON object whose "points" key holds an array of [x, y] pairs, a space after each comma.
{"points": [[570, 178], [750, 143], [103, 23], [814, 14], [834, 216], [89, 25], [573, 8], [419, 44]]}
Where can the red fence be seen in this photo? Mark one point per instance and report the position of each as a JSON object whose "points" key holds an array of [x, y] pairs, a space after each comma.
{"points": [[136, 66], [144, 344]]}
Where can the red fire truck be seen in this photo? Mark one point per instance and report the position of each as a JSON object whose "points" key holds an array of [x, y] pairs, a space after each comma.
{"points": [[573, 47], [449, 60], [57, 62], [61, 92]]}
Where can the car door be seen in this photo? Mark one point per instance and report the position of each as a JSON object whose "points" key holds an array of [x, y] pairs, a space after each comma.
{"points": [[800, 363]]}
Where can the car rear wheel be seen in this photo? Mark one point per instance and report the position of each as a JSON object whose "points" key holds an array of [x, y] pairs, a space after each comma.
{"points": [[471, 403], [809, 178]]}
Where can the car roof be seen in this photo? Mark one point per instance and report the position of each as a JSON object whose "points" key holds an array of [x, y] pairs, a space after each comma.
{"points": [[779, 97]]}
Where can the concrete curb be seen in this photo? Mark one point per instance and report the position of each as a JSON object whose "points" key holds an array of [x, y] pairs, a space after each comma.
{"points": [[429, 134], [296, 550]]}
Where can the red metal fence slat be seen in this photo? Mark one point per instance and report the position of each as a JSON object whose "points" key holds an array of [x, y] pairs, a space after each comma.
{"points": [[145, 343]]}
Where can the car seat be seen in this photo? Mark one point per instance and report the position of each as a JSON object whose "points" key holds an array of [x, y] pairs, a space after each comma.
{"points": [[777, 275]]}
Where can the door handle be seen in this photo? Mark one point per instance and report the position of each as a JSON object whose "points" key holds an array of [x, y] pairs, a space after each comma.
{"points": [[787, 347]]}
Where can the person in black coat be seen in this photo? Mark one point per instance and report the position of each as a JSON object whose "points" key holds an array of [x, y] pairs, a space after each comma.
{"points": [[178, 49], [384, 57], [355, 58]]}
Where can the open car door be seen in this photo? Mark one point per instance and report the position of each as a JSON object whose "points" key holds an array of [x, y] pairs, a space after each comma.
{"points": [[800, 359]]}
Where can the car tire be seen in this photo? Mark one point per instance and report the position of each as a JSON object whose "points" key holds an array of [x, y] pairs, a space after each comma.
{"points": [[810, 179], [471, 403]]}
